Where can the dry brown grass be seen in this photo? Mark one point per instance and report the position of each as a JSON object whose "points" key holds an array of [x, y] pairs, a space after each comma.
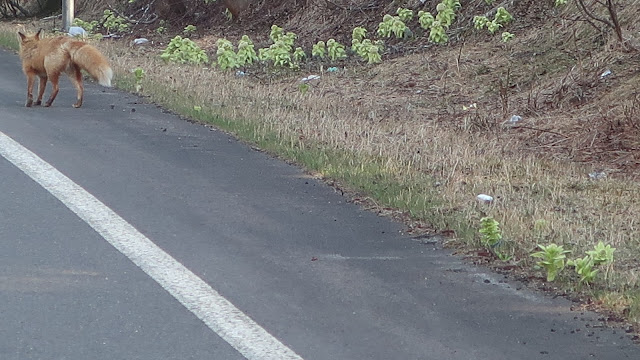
{"points": [[409, 112]]}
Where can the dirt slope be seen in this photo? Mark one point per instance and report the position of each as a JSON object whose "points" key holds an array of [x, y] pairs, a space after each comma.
{"points": [[550, 74]]}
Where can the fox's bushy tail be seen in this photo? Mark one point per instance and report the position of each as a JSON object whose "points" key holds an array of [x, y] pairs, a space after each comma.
{"points": [[92, 61]]}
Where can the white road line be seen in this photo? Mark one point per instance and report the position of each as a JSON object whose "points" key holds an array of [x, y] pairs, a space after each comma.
{"points": [[231, 324]]}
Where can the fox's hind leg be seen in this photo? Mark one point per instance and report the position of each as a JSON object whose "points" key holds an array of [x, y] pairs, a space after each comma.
{"points": [[41, 86], [54, 64], [76, 78], [55, 79]]}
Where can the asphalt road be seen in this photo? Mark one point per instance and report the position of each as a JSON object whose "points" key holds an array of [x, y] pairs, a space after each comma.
{"points": [[302, 269]]}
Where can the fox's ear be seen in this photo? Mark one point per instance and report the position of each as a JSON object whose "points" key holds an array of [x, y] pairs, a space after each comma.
{"points": [[38, 34], [22, 36]]}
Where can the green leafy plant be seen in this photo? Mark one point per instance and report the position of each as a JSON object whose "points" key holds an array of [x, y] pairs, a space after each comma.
{"points": [[280, 53], [584, 268], [493, 26], [368, 50], [184, 51], [189, 30], [552, 259], [384, 28], [480, 22], [507, 36], [299, 55], [365, 48], [335, 50], [438, 34], [246, 51], [453, 4], [438, 25], [113, 23], [87, 26], [392, 25], [162, 27], [139, 74], [276, 33], [226, 57], [491, 237], [490, 234], [602, 254], [425, 19], [446, 14], [502, 16], [359, 33], [405, 14], [319, 50], [303, 87]]}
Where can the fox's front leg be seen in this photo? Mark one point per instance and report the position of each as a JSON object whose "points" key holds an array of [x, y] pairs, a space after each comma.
{"points": [[31, 78], [41, 86]]}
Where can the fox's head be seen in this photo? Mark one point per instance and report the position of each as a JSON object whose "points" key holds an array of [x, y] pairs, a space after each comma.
{"points": [[26, 39]]}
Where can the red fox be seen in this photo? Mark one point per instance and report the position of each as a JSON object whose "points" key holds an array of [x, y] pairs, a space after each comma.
{"points": [[47, 58]]}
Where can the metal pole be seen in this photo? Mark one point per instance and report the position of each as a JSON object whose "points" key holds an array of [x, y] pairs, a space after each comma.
{"points": [[68, 13]]}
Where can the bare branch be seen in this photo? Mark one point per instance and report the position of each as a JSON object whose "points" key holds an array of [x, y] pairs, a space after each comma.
{"points": [[590, 14]]}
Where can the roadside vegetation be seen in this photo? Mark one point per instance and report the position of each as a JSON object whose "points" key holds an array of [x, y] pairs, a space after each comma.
{"points": [[514, 129]]}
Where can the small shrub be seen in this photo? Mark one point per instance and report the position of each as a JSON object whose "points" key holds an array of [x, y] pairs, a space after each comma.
{"points": [[602, 254], [112, 23], [226, 57], [139, 74], [87, 26], [392, 25], [405, 14], [319, 50], [189, 30], [553, 259], [184, 51], [336, 50], [246, 51]]}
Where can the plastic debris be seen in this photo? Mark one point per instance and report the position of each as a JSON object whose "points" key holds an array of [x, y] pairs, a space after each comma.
{"points": [[77, 31], [485, 199], [605, 74], [467, 108], [240, 73], [513, 120], [597, 175], [332, 69], [310, 77], [140, 41]]}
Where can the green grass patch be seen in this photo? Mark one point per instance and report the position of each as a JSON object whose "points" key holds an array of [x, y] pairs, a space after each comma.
{"points": [[9, 40]]}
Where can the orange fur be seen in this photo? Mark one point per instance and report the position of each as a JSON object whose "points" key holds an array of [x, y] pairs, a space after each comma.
{"points": [[48, 58]]}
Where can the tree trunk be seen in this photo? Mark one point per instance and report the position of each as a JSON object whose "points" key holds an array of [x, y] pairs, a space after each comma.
{"points": [[237, 6]]}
